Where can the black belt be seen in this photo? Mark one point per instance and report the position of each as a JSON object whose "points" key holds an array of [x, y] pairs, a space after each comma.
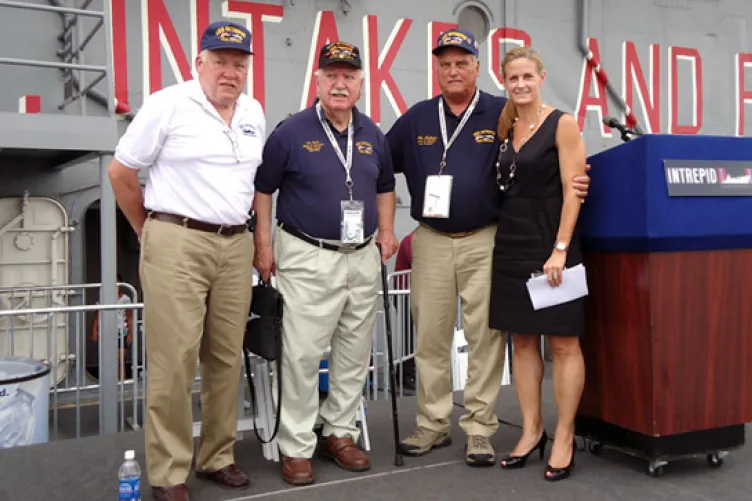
{"points": [[320, 243], [193, 224]]}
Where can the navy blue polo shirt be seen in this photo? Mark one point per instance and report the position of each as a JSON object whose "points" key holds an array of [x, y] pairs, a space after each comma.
{"points": [[416, 146], [299, 161]]}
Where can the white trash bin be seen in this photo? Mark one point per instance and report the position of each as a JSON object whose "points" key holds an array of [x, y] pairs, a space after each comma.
{"points": [[24, 402]]}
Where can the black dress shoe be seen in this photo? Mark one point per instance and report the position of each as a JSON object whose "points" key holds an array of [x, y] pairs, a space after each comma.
{"points": [[515, 462], [555, 474]]}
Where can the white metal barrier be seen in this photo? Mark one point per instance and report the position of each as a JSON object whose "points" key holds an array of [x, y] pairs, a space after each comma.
{"points": [[459, 362], [404, 337], [76, 392], [26, 311]]}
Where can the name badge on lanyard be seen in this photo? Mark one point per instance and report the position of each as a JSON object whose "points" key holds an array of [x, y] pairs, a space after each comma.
{"points": [[351, 220], [438, 192]]}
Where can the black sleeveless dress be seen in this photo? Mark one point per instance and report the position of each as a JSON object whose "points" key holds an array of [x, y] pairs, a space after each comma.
{"points": [[525, 238]]}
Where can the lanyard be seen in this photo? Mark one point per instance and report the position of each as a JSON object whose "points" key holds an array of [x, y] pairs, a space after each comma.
{"points": [[346, 162], [442, 124]]}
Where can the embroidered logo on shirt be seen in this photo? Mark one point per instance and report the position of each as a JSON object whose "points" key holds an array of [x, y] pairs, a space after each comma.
{"points": [[427, 140], [248, 130], [313, 146], [364, 147], [484, 136]]}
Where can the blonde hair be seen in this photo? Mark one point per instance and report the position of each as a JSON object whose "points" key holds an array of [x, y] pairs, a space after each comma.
{"points": [[509, 113]]}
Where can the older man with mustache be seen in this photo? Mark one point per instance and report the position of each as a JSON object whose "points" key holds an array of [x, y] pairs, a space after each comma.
{"points": [[332, 167]]}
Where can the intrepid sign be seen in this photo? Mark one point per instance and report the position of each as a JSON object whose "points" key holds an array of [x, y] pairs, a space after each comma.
{"points": [[686, 178]]}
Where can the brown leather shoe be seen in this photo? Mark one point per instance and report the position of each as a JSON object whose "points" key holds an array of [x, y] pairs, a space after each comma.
{"points": [[229, 477], [345, 452], [175, 493], [297, 471]]}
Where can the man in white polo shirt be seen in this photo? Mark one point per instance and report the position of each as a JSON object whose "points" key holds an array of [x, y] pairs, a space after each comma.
{"points": [[201, 142]]}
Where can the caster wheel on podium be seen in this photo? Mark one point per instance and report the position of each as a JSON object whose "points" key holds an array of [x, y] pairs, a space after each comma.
{"points": [[655, 468], [715, 460], [595, 448]]}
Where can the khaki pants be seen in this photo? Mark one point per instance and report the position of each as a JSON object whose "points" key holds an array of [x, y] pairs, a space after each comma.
{"points": [[442, 268], [330, 300], [181, 271]]}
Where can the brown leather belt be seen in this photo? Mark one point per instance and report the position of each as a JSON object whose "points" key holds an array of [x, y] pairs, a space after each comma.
{"points": [[450, 235], [192, 224]]}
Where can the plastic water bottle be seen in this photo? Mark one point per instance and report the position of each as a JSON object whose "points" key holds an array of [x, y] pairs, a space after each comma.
{"points": [[129, 475]]}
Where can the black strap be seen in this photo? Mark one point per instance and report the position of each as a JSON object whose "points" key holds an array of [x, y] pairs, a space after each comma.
{"points": [[320, 243], [252, 388]]}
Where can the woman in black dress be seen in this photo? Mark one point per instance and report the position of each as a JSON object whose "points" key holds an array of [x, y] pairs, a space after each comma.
{"points": [[541, 152]]}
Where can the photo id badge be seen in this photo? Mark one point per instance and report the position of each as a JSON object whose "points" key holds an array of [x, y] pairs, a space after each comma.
{"points": [[352, 222], [436, 199]]}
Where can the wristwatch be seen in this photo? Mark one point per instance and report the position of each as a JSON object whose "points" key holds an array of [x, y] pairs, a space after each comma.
{"points": [[561, 246]]}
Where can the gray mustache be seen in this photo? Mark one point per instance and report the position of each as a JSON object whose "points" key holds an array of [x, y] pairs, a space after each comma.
{"points": [[340, 92]]}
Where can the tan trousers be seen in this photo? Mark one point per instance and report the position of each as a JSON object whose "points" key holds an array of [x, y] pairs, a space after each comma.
{"points": [[181, 271], [442, 268], [330, 300]]}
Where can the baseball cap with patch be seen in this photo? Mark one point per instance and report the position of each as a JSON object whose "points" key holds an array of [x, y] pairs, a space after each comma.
{"points": [[456, 38], [340, 52], [226, 35]]}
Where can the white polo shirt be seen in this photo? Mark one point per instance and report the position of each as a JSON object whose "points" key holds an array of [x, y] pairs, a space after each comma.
{"points": [[198, 166]]}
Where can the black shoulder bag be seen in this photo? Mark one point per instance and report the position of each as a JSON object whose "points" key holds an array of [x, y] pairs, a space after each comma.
{"points": [[263, 337]]}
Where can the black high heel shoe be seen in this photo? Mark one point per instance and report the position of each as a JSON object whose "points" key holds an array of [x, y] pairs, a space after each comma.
{"points": [[554, 474], [515, 462]]}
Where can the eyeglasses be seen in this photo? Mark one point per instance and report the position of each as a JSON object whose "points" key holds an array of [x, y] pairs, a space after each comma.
{"points": [[233, 137]]}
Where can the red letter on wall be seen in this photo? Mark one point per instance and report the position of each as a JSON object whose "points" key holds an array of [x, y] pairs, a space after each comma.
{"points": [[496, 38], [435, 28], [324, 32], [693, 56], [159, 31], [120, 55], [650, 99], [200, 20], [255, 14], [743, 95], [377, 65], [586, 102]]}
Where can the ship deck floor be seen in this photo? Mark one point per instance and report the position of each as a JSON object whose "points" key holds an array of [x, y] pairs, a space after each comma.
{"points": [[87, 469]]}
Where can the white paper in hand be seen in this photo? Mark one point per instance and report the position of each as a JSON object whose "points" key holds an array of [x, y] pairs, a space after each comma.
{"points": [[573, 286]]}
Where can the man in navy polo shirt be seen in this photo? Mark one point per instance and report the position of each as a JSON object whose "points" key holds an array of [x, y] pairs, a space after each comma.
{"points": [[453, 134], [333, 170]]}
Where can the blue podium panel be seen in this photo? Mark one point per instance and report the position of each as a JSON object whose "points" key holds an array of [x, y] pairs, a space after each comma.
{"points": [[660, 193]]}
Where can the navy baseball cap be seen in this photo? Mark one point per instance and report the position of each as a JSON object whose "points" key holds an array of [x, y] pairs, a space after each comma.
{"points": [[456, 38], [226, 35], [340, 52]]}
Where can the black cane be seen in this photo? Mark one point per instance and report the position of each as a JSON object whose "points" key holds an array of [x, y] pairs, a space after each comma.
{"points": [[390, 358]]}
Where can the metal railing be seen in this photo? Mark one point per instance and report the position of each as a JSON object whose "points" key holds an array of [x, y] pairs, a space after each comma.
{"points": [[403, 337], [38, 323], [42, 313], [74, 396], [74, 46]]}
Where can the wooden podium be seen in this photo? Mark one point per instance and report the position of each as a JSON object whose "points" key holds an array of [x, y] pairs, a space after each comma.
{"points": [[667, 235]]}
